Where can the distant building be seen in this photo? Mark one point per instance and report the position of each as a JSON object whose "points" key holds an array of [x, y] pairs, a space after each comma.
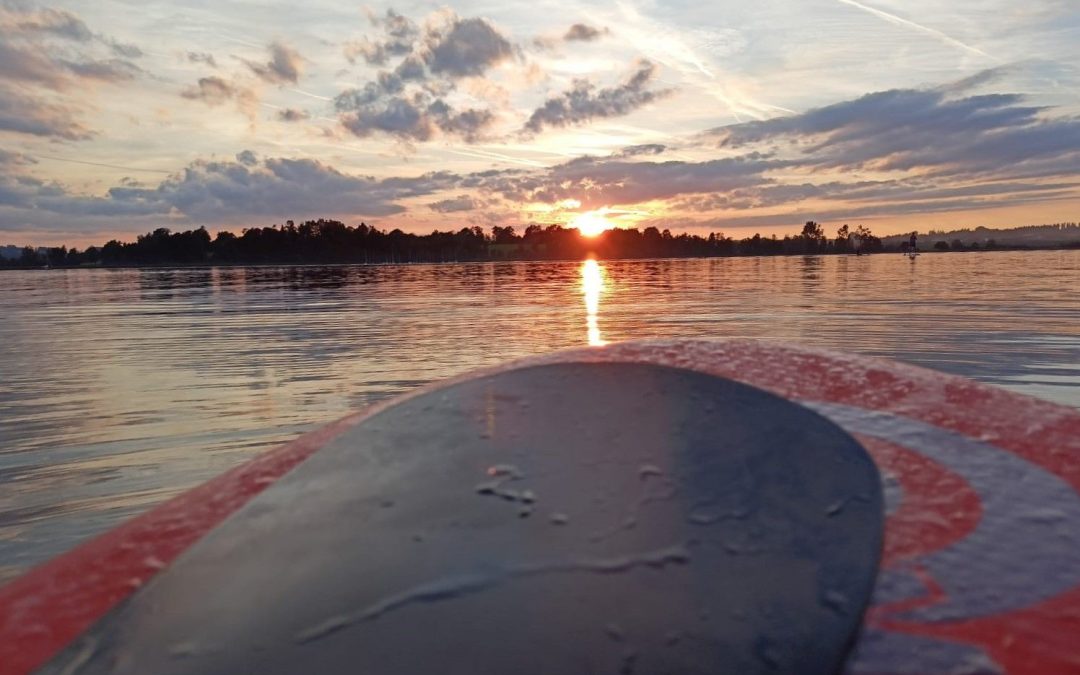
{"points": [[10, 252]]}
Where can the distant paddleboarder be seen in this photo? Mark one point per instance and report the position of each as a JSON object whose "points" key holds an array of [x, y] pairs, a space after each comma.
{"points": [[912, 245]]}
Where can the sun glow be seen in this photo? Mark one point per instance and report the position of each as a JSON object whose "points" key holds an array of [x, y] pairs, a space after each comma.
{"points": [[591, 223]]}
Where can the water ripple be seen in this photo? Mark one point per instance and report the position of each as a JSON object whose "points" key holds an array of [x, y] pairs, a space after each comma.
{"points": [[120, 388]]}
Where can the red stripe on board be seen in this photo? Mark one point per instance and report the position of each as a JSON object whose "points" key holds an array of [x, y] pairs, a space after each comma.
{"points": [[1037, 640], [938, 507], [48, 607]]}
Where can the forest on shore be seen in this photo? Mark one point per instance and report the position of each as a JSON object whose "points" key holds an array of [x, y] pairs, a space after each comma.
{"points": [[331, 241]]}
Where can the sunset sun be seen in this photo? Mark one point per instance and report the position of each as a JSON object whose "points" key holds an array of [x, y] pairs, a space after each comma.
{"points": [[591, 223]]}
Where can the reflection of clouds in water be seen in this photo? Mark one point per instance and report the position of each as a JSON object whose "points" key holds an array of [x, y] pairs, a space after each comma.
{"points": [[592, 284]]}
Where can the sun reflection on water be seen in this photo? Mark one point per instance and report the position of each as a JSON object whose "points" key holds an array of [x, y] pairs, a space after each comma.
{"points": [[592, 284]]}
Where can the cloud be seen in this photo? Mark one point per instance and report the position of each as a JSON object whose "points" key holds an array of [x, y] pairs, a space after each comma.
{"points": [[34, 65], [247, 158], [250, 187], [46, 22], [926, 130], [467, 124], [416, 117], [52, 22], [44, 51], [940, 149], [31, 65], [27, 54], [386, 84], [112, 70], [468, 48], [214, 91], [901, 194], [449, 46], [410, 101], [847, 213], [584, 102], [12, 159], [202, 57], [126, 50], [580, 32], [26, 114], [284, 67], [455, 204], [597, 182], [292, 115], [643, 149], [220, 191], [397, 116], [399, 37], [373, 53]]}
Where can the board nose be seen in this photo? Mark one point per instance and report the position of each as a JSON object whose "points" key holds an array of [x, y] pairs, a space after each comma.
{"points": [[564, 518]]}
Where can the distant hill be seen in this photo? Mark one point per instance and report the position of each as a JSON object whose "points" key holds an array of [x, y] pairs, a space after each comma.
{"points": [[1035, 236]]}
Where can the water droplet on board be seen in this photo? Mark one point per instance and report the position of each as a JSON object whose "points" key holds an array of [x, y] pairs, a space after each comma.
{"points": [[505, 470], [1045, 515], [647, 470], [704, 518], [182, 650], [614, 631], [154, 562], [767, 652], [835, 600]]}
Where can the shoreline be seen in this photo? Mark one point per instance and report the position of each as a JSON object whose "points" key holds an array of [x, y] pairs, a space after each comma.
{"points": [[339, 263]]}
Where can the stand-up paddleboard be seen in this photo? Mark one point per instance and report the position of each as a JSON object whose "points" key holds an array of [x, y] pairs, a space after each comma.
{"points": [[632, 508]]}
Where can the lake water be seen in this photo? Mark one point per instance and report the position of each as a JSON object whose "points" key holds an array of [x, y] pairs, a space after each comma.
{"points": [[120, 388]]}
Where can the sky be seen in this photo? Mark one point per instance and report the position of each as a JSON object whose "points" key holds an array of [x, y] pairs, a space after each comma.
{"points": [[117, 117]]}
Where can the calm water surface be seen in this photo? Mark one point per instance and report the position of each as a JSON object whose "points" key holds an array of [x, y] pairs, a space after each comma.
{"points": [[119, 388]]}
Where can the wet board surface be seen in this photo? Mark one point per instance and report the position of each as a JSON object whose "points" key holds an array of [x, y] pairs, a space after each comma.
{"points": [[565, 518], [980, 571]]}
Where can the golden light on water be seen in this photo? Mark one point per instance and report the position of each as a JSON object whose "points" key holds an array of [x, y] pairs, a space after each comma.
{"points": [[591, 223], [592, 285]]}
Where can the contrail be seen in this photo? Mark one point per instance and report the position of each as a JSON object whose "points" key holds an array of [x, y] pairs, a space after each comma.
{"points": [[484, 154], [665, 46], [899, 21], [308, 93], [238, 40], [109, 166]]}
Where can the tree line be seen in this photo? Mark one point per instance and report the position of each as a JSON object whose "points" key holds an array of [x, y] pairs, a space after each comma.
{"points": [[331, 241]]}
